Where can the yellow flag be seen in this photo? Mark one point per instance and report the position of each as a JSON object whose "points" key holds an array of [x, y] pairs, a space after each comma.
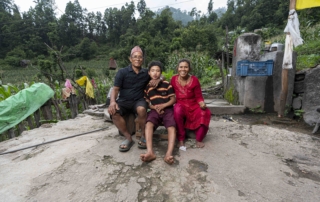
{"points": [[302, 4], [89, 87], [81, 81]]}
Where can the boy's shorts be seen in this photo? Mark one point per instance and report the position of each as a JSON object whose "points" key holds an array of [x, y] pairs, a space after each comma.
{"points": [[166, 118]]}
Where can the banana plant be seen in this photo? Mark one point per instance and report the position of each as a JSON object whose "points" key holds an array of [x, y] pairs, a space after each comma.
{"points": [[9, 90]]}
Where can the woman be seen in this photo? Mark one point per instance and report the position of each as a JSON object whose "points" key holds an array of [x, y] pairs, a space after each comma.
{"points": [[190, 111]]}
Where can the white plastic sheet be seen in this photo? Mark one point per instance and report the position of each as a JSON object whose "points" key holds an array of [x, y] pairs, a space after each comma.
{"points": [[293, 38]]}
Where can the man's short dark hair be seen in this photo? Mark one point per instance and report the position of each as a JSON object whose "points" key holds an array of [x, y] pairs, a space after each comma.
{"points": [[155, 63]]}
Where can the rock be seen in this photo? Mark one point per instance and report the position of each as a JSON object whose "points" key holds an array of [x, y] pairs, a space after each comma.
{"points": [[142, 180], [311, 96], [97, 106], [94, 112], [297, 103]]}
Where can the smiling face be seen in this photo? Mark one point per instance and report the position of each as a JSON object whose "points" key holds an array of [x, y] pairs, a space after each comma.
{"points": [[155, 72], [136, 59], [183, 69]]}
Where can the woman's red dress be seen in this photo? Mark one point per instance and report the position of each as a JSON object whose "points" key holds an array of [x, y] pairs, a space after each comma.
{"points": [[188, 97]]}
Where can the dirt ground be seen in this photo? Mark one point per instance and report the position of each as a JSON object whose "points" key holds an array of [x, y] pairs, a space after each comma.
{"points": [[259, 158], [271, 119]]}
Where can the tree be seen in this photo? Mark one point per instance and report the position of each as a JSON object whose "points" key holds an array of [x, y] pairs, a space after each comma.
{"points": [[198, 37], [91, 22], [44, 14], [212, 17], [141, 7], [53, 34], [6, 6], [210, 7], [101, 28], [10, 21], [71, 24], [87, 48]]}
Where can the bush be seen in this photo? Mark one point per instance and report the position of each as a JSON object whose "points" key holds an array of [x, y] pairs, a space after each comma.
{"points": [[106, 72], [78, 73], [14, 57], [307, 61], [308, 48], [91, 73], [13, 61]]}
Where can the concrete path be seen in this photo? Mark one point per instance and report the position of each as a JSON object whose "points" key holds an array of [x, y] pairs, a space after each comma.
{"points": [[238, 163]]}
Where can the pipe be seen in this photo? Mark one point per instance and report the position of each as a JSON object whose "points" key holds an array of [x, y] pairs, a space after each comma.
{"points": [[51, 141]]}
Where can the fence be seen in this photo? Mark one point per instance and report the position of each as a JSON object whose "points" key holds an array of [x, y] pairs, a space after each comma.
{"points": [[52, 111]]}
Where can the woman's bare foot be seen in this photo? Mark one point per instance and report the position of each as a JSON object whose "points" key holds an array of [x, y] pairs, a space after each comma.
{"points": [[147, 157], [199, 144], [180, 143], [169, 160]]}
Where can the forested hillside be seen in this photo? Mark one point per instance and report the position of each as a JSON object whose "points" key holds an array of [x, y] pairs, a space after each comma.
{"points": [[84, 35], [184, 16]]}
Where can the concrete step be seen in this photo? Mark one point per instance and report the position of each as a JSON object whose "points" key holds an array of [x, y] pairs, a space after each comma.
{"points": [[221, 106], [216, 106], [231, 109]]}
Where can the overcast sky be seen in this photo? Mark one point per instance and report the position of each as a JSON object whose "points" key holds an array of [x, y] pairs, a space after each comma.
{"points": [[101, 5]]}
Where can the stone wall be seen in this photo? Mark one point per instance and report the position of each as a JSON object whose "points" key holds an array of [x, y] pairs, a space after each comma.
{"points": [[259, 91], [307, 91]]}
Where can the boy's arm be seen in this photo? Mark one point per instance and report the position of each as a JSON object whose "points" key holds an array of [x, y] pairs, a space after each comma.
{"points": [[146, 97], [161, 107], [170, 102], [149, 103]]}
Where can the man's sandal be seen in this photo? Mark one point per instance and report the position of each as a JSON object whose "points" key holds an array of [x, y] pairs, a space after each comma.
{"points": [[142, 144], [128, 145]]}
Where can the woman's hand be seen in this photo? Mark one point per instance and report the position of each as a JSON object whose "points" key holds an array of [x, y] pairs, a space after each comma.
{"points": [[202, 105]]}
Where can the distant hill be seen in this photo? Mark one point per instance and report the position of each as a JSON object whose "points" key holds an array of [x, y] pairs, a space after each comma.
{"points": [[220, 11], [184, 17], [177, 14]]}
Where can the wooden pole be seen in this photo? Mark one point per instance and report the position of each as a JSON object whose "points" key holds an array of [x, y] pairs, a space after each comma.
{"points": [[292, 4], [221, 68], [284, 78], [225, 85], [227, 48]]}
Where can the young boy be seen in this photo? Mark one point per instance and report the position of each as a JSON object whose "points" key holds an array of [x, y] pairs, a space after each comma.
{"points": [[161, 100]]}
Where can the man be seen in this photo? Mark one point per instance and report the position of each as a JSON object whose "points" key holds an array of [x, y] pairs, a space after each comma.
{"points": [[130, 82]]}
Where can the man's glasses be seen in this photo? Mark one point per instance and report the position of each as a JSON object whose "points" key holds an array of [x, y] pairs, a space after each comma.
{"points": [[137, 57]]}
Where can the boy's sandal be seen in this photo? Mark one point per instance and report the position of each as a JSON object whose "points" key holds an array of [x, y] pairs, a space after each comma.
{"points": [[128, 145], [142, 144]]}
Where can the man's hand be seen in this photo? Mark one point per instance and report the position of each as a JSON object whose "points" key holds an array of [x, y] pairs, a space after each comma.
{"points": [[113, 107], [155, 82], [202, 105]]}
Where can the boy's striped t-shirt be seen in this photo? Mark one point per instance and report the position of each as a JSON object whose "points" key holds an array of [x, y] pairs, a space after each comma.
{"points": [[160, 94]]}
